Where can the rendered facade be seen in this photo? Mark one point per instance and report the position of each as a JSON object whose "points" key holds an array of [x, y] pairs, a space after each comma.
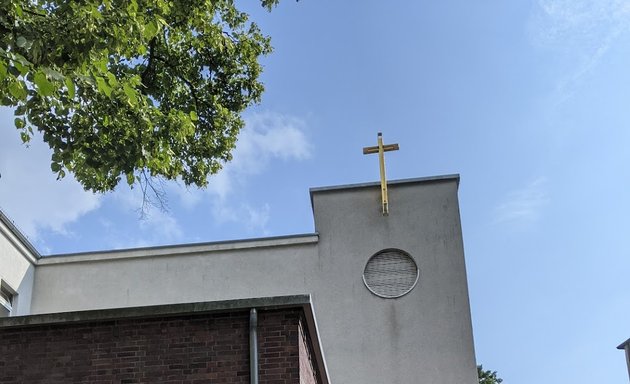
{"points": [[387, 295]]}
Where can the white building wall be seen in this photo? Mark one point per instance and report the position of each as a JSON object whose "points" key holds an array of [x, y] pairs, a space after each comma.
{"points": [[16, 267]]}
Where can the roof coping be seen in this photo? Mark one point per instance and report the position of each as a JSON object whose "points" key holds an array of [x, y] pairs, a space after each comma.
{"points": [[417, 180], [180, 249], [165, 310], [18, 234]]}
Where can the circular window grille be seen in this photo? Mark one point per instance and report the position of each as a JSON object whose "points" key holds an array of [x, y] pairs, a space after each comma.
{"points": [[390, 273]]}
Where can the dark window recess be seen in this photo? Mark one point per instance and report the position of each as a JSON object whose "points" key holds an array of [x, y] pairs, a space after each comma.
{"points": [[6, 300]]}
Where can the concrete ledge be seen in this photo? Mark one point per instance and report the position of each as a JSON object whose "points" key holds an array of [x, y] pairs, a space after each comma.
{"points": [[275, 302], [181, 249], [417, 180]]}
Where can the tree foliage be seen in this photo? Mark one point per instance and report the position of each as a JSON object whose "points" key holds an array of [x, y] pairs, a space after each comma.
{"points": [[124, 89], [487, 376]]}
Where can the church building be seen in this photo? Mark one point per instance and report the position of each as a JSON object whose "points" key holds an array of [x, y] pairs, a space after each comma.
{"points": [[376, 294]]}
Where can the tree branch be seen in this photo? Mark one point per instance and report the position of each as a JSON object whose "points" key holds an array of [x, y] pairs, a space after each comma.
{"points": [[147, 71], [189, 84], [152, 195]]}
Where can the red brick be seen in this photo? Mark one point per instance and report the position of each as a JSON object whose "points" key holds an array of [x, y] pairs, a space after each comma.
{"points": [[185, 349]]}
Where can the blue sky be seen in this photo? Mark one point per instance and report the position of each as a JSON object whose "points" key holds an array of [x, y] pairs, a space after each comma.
{"points": [[527, 100]]}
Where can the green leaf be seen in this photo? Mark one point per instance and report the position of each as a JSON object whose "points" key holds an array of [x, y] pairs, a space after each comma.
{"points": [[20, 110], [17, 90], [131, 95], [101, 64], [3, 71], [132, 7], [102, 86], [70, 85], [51, 73], [150, 30], [21, 59], [111, 79], [20, 123], [44, 87], [25, 137], [22, 69], [193, 116], [21, 41], [130, 178]]}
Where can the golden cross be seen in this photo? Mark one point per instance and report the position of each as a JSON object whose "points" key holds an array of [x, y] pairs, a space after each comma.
{"points": [[381, 149]]}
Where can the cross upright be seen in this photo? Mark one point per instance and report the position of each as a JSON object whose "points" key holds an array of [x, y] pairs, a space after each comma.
{"points": [[381, 149]]}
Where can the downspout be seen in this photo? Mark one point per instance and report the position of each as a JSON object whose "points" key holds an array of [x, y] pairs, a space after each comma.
{"points": [[253, 346]]}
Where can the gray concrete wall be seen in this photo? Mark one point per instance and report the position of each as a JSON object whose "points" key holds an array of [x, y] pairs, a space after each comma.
{"points": [[422, 337], [16, 267], [174, 278]]}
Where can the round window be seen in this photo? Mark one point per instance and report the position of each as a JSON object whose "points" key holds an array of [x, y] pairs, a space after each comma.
{"points": [[390, 273]]}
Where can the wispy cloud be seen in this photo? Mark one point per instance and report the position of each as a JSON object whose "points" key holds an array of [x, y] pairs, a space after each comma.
{"points": [[581, 30], [156, 225], [267, 137], [254, 219], [30, 193], [524, 204]]}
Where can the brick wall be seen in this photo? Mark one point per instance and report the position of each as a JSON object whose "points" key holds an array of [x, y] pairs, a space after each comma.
{"points": [[185, 349]]}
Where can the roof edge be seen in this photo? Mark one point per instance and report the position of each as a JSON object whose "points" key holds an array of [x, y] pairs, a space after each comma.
{"points": [[311, 323], [624, 345], [415, 180], [179, 249], [162, 310], [21, 238]]}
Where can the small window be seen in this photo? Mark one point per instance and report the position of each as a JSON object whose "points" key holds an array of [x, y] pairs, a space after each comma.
{"points": [[7, 297]]}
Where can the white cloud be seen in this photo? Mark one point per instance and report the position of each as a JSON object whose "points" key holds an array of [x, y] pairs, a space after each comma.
{"points": [[267, 137], [523, 205], [581, 30], [582, 25], [29, 192], [156, 225], [163, 226], [254, 219]]}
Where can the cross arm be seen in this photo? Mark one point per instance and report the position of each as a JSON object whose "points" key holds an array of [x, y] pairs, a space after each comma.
{"points": [[386, 148]]}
